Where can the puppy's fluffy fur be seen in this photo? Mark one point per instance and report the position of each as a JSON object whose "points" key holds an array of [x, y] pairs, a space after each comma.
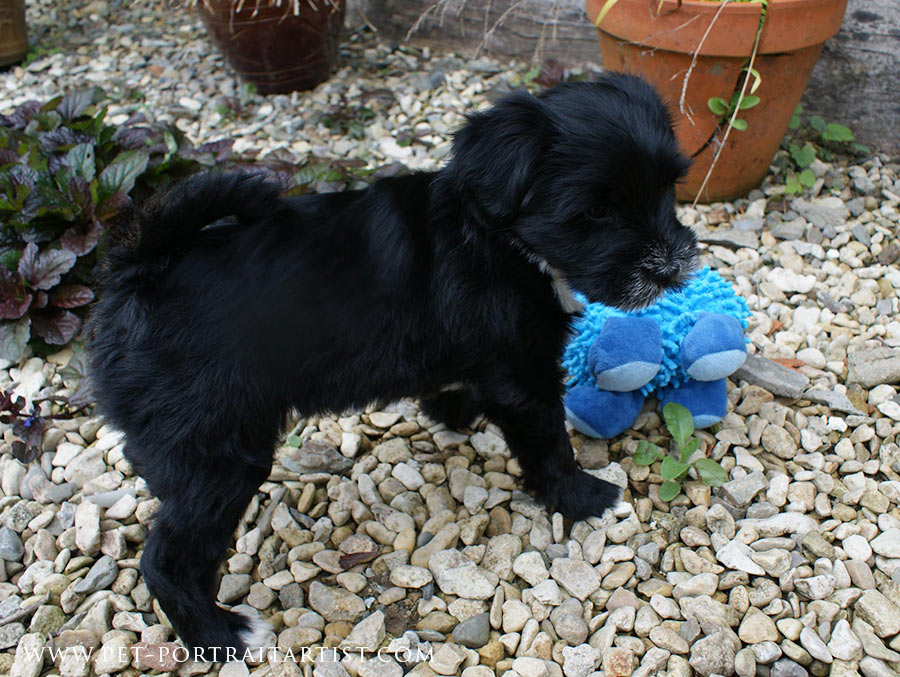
{"points": [[206, 337]]}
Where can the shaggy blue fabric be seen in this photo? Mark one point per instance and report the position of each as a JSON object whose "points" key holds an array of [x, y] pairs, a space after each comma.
{"points": [[676, 313], [706, 400]]}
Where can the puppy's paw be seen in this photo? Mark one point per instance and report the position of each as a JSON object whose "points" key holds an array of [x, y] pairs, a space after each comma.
{"points": [[579, 495]]}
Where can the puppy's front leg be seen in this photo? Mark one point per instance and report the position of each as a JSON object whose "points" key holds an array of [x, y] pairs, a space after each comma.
{"points": [[535, 431]]}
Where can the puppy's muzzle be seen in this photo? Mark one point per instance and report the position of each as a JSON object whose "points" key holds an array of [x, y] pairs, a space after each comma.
{"points": [[669, 265]]}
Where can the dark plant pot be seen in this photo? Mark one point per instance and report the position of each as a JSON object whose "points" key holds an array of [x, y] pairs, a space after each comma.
{"points": [[273, 48], [658, 41], [13, 32]]}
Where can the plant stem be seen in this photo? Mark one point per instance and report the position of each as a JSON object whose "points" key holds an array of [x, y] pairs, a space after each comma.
{"points": [[737, 107]]}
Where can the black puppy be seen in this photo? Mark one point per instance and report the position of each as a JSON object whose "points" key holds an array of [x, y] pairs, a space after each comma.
{"points": [[450, 286]]}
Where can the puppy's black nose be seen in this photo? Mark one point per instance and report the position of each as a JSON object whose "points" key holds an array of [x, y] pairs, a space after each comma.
{"points": [[667, 275]]}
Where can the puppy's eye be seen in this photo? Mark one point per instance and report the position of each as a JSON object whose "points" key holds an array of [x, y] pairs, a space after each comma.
{"points": [[597, 212]]}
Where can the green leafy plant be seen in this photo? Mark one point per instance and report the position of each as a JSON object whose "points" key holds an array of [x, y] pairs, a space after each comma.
{"points": [[674, 469], [38, 52], [814, 139], [725, 110], [64, 175]]}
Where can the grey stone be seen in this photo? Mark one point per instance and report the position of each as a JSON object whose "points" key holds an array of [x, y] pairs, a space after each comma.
{"points": [[578, 577], [316, 457], [845, 645], [9, 606], [11, 546], [100, 576], [861, 234], [747, 224], [787, 668], [713, 655], [873, 667], [727, 237], [879, 612], [790, 230], [456, 574], [291, 596], [10, 634], [473, 632], [741, 492], [29, 657], [233, 587], [873, 367], [822, 211], [833, 400], [772, 376], [17, 517], [335, 604], [581, 660], [887, 544], [367, 634]]}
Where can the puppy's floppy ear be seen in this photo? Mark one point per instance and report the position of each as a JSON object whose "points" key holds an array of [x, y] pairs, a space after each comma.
{"points": [[496, 153]]}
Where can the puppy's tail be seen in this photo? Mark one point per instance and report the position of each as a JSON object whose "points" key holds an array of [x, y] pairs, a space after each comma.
{"points": [[172, 219]]}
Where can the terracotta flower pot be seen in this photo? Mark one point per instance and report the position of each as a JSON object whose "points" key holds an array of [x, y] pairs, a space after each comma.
{"points": [[13, 32], [272, 47], [658, 40]]}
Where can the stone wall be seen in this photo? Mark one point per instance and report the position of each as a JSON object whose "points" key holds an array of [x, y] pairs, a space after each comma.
{"points": [[854, 83]]}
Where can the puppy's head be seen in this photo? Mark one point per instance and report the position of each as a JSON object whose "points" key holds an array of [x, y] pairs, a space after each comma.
{"points": [[582, 177]]}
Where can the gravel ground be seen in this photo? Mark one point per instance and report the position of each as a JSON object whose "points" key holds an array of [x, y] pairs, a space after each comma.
{"points": [[791, 568]]}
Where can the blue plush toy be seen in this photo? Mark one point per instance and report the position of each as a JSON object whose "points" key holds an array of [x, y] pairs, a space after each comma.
{"points": [[681, 348]]}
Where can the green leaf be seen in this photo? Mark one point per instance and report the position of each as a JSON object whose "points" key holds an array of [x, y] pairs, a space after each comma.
{"points": [[803, 157], [646, 453], [688, 449], [799, 109], [807, 178], [679, 422], [817, 123], [718, 105], [839, 133], [669, 490], [792, 185], [749, 102], [673, 469], [739, 124], [529, 76], [119, 176], [860, 148], [81, 160], [711, 473]]}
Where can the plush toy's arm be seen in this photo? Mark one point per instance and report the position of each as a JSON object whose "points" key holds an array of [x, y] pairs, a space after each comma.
{"points": [[626, 354], [714, 348]]}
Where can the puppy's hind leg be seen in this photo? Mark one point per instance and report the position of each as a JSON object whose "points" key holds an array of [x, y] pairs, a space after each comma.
{"points": [[456, 406], [535, 430], [188, 537]]}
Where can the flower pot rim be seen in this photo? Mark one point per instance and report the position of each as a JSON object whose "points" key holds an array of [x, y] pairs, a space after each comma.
{"points": [[790, 24]]}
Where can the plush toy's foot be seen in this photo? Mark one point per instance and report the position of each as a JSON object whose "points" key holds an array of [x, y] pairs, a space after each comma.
{"points": [[626, 354], [706, 400], [714, 348], [601, 413]]}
